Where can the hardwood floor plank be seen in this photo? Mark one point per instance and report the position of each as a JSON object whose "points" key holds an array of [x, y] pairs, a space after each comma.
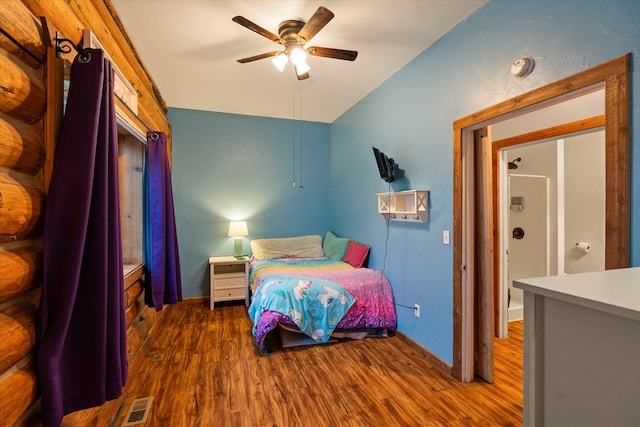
{"points": [[203, 369]]}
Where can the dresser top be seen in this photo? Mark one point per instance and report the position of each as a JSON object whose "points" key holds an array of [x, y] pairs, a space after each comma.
{"points": [[612, 291]]}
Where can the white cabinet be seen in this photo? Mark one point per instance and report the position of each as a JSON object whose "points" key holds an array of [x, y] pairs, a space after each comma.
{"points": [[410, 205], [581, 349], [228, 279]]}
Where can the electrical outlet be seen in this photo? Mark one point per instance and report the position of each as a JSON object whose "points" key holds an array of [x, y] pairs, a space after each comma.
{"points": [[416, 310], [445, 237]]}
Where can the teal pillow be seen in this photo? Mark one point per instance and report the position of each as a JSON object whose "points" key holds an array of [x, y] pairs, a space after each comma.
{"points": [[334, 247]]}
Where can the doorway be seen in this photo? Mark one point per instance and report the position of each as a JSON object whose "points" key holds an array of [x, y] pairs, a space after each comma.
{"points": [[573, 211], [474, 242], [527, 253]]}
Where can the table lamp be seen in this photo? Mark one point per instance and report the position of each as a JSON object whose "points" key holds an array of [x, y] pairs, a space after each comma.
{"points": [[237, 229]]}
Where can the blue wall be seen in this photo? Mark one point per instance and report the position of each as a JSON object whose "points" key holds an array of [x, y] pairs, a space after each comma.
{"points": [[410, 117], [231, 167]]}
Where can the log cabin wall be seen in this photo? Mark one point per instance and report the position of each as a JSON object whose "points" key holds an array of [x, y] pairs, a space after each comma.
{"points": [[30, 111]]}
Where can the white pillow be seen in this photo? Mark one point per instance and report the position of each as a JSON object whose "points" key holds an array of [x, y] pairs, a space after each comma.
{"points": [[301, 247]]}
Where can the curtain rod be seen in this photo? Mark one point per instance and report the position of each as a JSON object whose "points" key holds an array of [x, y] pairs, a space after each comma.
{"points": [[64, 45]]}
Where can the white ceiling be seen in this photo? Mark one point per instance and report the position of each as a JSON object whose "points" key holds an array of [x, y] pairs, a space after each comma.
{"points": [[190, 47]]}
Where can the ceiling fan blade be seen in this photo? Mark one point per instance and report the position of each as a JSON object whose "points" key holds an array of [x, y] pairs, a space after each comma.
{"points": [[327, 52], [256, 28], [261, 56], [320, 18]]}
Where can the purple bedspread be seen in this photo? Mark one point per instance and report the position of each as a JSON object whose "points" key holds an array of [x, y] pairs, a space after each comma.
{"points": [[373, 308]]}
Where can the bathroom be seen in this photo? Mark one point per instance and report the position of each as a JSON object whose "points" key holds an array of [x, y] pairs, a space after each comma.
{"points": [[552, 194]]}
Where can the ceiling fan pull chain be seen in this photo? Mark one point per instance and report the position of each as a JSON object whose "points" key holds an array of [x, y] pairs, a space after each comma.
{"points": [[293, 130], [300, 134]]}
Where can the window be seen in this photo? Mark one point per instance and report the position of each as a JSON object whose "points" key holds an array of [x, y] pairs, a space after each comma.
{"points": [[131, 154]]}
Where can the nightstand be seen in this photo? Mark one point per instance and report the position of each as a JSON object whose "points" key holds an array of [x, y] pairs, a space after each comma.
{"points": [[228, 279]]}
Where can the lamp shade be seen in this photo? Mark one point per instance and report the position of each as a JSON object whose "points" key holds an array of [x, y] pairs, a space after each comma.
{"points": [[302, 68], [280, 61], [297, 56], [238, 228]]}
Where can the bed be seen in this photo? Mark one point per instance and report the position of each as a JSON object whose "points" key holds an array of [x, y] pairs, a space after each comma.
{"points": [[306, 290]]}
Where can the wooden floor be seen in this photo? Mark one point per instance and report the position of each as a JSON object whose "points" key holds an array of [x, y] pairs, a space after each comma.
{"points": [[203, 369]]}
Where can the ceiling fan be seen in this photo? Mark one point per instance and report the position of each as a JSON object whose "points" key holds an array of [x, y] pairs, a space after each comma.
{"points": [[294, 35]]}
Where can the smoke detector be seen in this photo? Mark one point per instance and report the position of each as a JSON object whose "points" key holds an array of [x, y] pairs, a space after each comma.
{"points": [[522, 67]]}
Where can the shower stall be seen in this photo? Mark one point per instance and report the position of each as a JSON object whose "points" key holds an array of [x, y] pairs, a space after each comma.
{"points": [[529, 240]]}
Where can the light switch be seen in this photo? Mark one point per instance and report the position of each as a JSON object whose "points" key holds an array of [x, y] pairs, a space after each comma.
{"points": [[445, 237]]}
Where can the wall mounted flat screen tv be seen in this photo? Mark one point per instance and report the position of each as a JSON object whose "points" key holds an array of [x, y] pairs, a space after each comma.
{"points": [[386, 165]]}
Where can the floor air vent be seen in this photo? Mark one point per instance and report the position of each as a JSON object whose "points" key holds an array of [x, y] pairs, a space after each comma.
{"points": [[138, 411]]}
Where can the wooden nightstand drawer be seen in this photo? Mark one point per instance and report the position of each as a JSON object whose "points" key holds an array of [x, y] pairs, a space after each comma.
{"points": [[228, 294], [235, 281]]}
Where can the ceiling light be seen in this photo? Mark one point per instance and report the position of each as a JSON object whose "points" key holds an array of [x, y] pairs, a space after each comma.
{"points": [[280, 61], [302, 68], [298, 56]]}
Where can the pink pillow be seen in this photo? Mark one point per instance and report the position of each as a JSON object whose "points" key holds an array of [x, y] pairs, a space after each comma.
{"points": [[356, 254]]}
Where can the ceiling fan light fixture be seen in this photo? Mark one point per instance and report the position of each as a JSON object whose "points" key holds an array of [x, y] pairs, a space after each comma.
{"points": [[280, 61], [298, 56], [293, 34], [302, 68]]}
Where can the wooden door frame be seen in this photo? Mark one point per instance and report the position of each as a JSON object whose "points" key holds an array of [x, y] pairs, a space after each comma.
{"points": [[612, 76]]}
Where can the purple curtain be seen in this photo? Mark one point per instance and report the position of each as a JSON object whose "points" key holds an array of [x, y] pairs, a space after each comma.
{"points": [[82, 345], [163, 284]]}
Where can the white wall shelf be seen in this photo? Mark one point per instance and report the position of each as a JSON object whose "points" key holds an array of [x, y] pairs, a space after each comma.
{"points": [[408, 206]]}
